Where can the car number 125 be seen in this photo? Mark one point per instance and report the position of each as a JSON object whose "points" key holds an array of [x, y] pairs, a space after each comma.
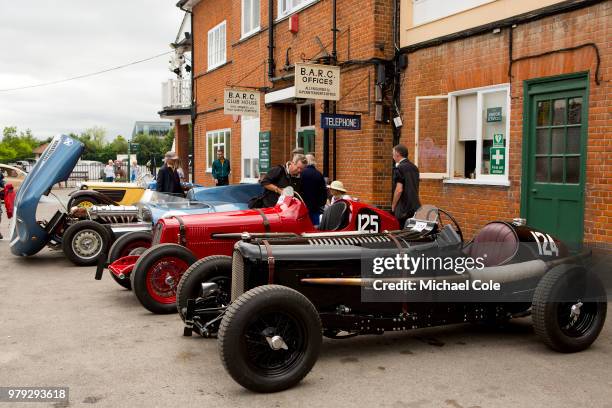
{"points": [[368, 223]]}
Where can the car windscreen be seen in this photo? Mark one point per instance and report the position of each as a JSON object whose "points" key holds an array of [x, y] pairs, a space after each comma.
{"points": [[165, 200]]}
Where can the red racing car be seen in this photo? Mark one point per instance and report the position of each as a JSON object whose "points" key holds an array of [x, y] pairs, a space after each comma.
{"points": [[179, 241]]}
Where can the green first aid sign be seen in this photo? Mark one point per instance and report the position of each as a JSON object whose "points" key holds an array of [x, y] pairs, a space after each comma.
{"points": [[498, 160]]}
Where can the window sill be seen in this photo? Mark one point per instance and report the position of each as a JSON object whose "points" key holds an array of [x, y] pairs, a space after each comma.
{"points": [[249, 181], [476, 182], [297, 10], [248, 36], [209, 70]]}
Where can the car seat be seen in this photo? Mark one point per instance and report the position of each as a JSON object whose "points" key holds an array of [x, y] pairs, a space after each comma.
{"points": [[335, 217], [497, 240]]}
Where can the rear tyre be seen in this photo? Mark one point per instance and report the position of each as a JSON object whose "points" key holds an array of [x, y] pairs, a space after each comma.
{"points": [[569, 308], [156, 275], [217, 269], [85, 241], [270, 338], [126, 245]]}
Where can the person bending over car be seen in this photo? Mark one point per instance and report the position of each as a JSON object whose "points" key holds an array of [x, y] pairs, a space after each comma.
{"points": [[168, 180], [280, 177]]}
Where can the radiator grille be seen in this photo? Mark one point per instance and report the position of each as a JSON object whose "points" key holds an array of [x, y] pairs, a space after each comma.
{"points": [[237, 275]]}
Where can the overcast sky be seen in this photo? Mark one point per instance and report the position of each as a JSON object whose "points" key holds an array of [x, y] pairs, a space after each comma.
{"points": [[48, 40]]}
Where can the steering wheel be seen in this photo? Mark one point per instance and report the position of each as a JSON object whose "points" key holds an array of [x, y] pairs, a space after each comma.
{"points": [[454, 222], [299, 197]]}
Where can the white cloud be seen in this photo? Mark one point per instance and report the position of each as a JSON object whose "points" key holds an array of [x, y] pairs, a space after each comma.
{"points": [[52, 40]]}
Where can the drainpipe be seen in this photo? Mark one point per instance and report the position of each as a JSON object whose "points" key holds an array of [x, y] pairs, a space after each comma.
{"points": [[334, 58], [270, 39], [193, 104]]}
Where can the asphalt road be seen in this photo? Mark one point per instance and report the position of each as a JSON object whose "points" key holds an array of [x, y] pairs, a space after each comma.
{"points": [[60, 327]]}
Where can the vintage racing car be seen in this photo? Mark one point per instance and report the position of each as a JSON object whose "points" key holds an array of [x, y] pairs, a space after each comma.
{"points": [[179, 241], [86, 233], [288, 291]]}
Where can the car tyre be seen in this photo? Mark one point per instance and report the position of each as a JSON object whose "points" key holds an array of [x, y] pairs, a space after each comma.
{"points": [[562, 288], [217, 269], [263, 364], [127, 245], [156, 275], [85, 241]]}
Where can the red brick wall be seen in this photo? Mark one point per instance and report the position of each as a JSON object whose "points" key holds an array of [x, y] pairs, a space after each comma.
{"points": [[483, 60], [363, 158]]}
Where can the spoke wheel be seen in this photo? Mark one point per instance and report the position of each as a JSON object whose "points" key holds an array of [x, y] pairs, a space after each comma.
{"points": [[156, 275], [163, 277]]}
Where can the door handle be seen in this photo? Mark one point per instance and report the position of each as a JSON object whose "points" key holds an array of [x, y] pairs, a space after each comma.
{"points": [[533, 190]]}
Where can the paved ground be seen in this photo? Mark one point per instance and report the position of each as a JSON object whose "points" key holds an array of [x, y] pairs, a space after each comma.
{"points": [[60, 327]]}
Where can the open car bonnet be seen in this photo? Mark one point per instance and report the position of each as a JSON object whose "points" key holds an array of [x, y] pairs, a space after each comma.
{"points": [[55, 165]]}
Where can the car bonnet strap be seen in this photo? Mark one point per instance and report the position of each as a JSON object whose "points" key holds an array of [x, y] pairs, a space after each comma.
{"points": [[266, 222], [270, 261], [182, 235], [395, 241]]}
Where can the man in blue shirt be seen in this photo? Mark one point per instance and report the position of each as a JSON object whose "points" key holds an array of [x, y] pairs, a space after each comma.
{"points": [[221, 169]]}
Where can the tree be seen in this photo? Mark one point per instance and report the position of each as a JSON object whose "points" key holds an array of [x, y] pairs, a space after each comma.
{"points": [[17, 146], [119, 145]]}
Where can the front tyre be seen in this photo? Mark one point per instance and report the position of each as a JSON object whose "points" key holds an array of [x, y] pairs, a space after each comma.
{"points": [[569, 308], [270, 338], [217, 269], [156, 275], [85, 241], [127, 245]]}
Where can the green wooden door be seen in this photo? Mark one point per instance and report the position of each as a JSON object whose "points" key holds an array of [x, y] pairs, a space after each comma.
{"points": [[306, 140], [555, 157]]}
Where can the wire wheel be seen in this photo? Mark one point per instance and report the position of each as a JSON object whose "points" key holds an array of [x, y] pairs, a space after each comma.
{"points": [[163, 277]]}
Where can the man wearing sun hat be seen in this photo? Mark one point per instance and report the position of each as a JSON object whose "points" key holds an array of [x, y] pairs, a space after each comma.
{"points": [[338, 192], [168, 180]]}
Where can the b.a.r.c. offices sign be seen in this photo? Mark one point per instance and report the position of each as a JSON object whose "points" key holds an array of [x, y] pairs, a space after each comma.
{"points": [[315, 81]]}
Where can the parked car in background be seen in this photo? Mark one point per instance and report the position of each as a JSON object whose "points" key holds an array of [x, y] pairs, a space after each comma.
{"points": [[13, 175], [86, 233]]}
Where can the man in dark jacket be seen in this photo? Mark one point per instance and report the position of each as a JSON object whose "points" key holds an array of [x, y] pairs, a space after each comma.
{"points": [[314, 189], [280, 177], [406, 186], [168, 180]]}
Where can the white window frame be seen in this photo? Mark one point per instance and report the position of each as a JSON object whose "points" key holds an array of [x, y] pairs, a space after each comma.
{"points": [[293, 8], [485, 179], [416, 138], [243, 151], [212, 52], [255, 19], [227, 132], [298, 120]]}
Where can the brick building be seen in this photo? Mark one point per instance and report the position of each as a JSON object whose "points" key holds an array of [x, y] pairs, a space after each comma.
{"points": [[537, 75], [230, 49], [505, 104]]}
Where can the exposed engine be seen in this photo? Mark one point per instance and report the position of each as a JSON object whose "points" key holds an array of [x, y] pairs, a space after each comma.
{"points": [[108, 214]]}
